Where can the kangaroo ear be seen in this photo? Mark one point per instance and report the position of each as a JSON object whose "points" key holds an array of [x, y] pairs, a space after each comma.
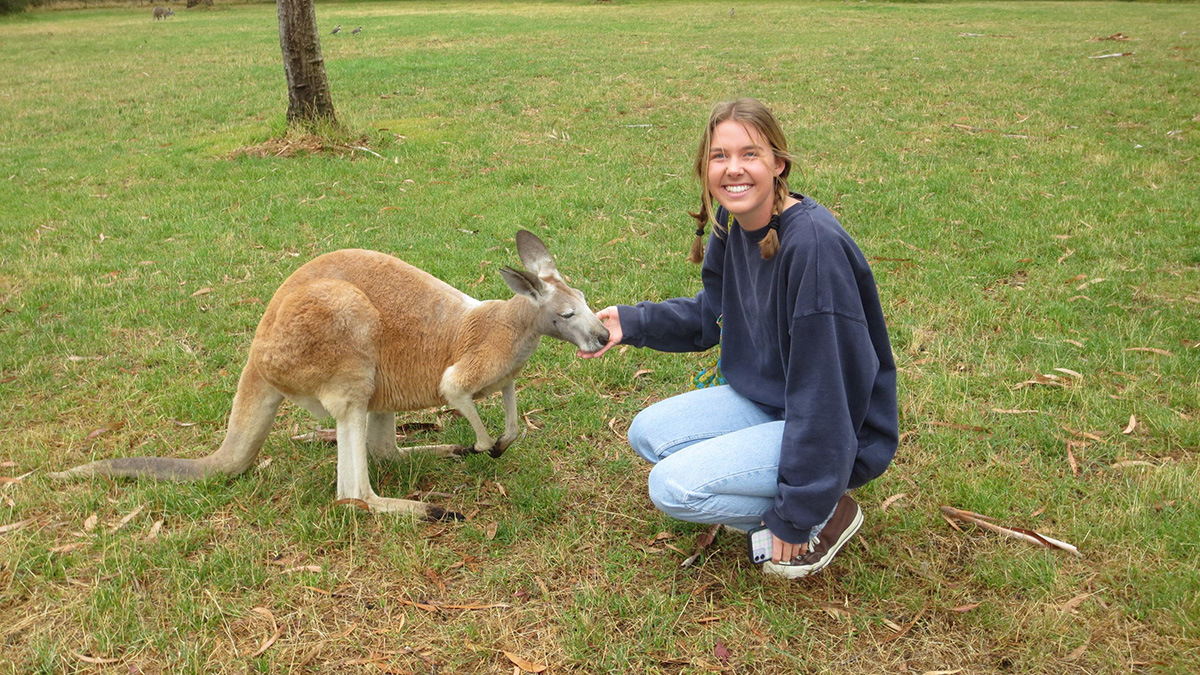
{"points": [[523, 283], [534, 255]]}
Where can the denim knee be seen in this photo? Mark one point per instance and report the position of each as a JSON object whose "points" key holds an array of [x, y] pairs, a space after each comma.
{"points": [[639, 437], [662, 491], [669, 495]]}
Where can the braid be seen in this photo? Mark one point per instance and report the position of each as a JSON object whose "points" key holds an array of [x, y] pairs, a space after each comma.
{"points": [[769, 246], [696, 255]]}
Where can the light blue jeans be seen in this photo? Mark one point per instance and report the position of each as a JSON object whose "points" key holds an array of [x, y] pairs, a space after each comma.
{"points": [[715, 456]]}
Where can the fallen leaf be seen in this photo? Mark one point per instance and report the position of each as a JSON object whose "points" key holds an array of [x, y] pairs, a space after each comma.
{"points": [[302, 568], [320, 435], [1072, 604], [1070, 372], [125, 521], [1109, 56], [721, 651], [523, 664], [1131, 426], [1004, 411], [492, 528], [1152, 350], [907, 627], [661, 536], [90, 523], [1133, 462], [960, 427], [1075, 653], [94, 659], [97, 433], [1047, 380], [963, 609], [704, 541], [278, 630], [13, 527], [67, 548], [1071, 459], [203, 291], [892, 500], [642, 371], [154, 530], [612, 425]]}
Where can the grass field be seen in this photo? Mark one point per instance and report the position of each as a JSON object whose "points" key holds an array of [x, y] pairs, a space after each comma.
{"points": [[1030, 210]]}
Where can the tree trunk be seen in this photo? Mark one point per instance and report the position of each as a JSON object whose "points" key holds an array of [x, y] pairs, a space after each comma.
{"points": [[309, 101]]}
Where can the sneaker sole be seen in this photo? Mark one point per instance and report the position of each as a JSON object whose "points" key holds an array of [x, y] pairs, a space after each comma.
{"points": [[798, 571]]}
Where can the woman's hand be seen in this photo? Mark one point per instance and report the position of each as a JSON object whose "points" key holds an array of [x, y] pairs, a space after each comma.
{"points": [[612, 321], [781, 551]]}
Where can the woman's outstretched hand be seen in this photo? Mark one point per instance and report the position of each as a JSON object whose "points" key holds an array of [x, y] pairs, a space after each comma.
{"points": [[612, 321]]}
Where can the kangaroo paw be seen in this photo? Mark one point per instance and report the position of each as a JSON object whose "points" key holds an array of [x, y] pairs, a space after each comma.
{"points": [[464, 450], [502, 445], [436, 513]]}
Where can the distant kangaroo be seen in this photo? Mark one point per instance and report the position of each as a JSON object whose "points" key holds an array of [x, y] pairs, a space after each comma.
{"points": [[357, 335], [163, 13]]}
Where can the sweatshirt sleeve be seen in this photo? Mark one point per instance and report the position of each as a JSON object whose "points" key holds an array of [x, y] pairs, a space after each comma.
{"points": [[680, 324], [832, 371]]}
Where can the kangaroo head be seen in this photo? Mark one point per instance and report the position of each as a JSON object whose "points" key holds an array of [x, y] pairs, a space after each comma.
{"points": [[564, 312]]}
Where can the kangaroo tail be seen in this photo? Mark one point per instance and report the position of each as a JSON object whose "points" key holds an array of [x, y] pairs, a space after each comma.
{"points": [[254, 407]]}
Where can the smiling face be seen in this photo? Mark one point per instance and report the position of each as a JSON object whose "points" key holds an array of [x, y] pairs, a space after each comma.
{"points": [[741, 173]]}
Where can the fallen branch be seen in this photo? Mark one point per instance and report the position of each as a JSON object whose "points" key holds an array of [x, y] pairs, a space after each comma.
{"points": [[359, 147], [1014, 532]]}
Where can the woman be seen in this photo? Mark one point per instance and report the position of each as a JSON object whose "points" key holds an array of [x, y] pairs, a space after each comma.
{"points": [[809, 411]]}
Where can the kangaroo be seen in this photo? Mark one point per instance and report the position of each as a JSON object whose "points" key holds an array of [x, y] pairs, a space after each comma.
{"points": [[359, 335], [163, 13]]}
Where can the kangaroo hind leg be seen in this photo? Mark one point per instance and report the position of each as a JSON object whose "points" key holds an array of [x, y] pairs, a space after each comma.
{"points": [[358, 430]]}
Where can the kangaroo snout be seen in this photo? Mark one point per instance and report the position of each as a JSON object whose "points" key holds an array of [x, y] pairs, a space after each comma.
{"points": [[599, 339]]}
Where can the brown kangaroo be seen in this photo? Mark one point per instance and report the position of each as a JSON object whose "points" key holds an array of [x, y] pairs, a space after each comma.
{"points": [[358, 335]]}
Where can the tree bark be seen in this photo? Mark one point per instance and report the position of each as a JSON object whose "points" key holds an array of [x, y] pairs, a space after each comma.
{"points": [[310, 103]]}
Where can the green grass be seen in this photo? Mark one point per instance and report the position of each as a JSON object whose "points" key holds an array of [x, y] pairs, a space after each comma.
{"points": [[1026, 208]]}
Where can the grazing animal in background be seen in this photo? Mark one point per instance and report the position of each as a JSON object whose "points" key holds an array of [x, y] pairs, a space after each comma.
{"points": [[356, 31], [163, 13], [358, 335], [336, 29]]}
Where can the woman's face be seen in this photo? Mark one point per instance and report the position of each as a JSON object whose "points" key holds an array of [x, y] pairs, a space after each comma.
{"points": [[741, 173]]}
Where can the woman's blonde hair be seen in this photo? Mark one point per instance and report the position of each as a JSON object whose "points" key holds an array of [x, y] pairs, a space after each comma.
{"points": [[752, 113]]}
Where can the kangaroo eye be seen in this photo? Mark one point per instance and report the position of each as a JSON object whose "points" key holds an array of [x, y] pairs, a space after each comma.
{"points": [[568, 314]]}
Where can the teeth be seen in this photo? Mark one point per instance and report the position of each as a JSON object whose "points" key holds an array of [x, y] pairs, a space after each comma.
{"points": [[736, 189]]}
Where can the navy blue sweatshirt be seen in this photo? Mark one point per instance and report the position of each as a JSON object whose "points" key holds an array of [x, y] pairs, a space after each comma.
{"points": [[803, 336]]}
